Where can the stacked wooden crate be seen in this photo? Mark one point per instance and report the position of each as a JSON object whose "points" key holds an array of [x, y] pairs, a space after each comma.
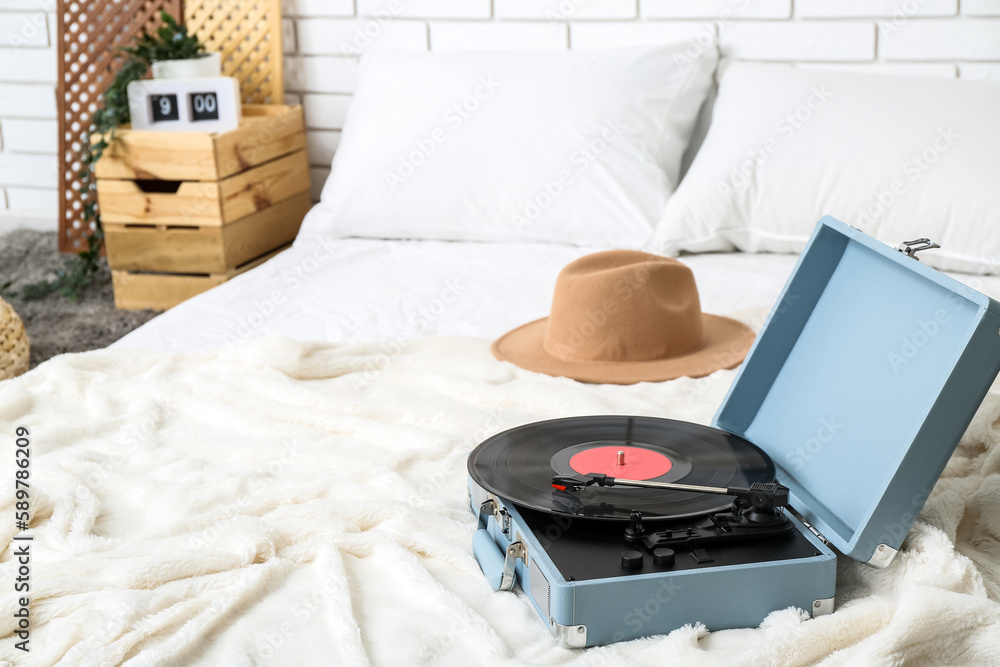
{"points": [[184, 212]]}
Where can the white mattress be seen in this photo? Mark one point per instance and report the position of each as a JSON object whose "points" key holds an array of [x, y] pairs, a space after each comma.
{"points": [[353, 290]]}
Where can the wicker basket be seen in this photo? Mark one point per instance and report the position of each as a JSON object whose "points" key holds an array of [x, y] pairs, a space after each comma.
{"points": [[14, 347]]}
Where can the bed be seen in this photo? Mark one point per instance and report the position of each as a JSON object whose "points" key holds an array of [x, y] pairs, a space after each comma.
{"points": [[274, 471]]}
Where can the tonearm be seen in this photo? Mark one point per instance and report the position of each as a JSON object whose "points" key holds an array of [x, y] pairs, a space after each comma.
{"points": [[759, 497]]}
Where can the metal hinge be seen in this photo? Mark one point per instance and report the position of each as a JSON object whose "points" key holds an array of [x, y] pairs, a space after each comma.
{"points": [[504, 519], [911, 248], [492, 506], [812, 529]]}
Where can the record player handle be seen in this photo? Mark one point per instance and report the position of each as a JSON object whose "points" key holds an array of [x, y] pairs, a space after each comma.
{"points": [[497, 565], [491, 559]]}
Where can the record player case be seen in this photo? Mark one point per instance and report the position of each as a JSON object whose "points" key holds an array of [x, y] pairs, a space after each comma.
{"points": [[864, 377]]}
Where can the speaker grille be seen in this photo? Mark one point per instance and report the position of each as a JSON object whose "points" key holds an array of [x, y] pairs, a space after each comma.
{"points": [[539, 587]]}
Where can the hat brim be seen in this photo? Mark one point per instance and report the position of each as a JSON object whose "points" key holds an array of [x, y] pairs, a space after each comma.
{"points": [[726, 345]]}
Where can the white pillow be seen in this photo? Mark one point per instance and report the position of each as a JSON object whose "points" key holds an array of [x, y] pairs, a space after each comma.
{"points": [[897, 157], [581, 148]]}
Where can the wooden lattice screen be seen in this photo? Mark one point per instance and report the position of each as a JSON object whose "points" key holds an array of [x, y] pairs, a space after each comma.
{"points": [[248, 33], [89, 33]]}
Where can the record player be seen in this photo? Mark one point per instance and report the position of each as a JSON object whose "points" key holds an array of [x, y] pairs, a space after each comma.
{"points": [[839, 422]]}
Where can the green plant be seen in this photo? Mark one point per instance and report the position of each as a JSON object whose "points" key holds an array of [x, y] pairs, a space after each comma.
{"points": [[170, 42]]}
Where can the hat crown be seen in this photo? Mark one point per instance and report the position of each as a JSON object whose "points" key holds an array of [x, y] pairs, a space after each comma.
{"points": [[624, 305]]}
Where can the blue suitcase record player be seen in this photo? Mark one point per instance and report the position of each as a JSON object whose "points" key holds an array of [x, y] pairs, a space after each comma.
{"points": [[839, 422]]}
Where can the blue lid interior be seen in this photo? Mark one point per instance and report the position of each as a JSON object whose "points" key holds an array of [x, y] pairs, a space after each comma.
{"points": [[843, 377]]}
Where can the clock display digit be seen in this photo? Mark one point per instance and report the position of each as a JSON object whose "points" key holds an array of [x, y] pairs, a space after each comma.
{"points": [[164, 108], [205, 106]]}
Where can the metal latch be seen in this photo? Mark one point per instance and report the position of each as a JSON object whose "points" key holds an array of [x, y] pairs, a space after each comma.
{"points": [[492, 507], [911, 248]]}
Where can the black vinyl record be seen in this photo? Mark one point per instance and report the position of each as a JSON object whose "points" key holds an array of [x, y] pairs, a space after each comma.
{"points": [[519, 465]]}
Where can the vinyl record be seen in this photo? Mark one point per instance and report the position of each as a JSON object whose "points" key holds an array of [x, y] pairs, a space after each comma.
{"points": [[519, 464]]}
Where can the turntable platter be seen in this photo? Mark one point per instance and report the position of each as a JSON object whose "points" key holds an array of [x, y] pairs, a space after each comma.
{"points": [[519, 465]]}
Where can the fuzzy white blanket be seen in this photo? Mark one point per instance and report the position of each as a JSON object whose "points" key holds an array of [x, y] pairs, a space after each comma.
{"points": [[292, 503]]}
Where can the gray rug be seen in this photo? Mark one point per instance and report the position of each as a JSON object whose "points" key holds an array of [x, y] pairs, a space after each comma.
{"points": [[57, 325]]}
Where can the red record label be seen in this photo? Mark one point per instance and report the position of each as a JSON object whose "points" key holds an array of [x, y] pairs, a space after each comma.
{"points": [[625, 462]]}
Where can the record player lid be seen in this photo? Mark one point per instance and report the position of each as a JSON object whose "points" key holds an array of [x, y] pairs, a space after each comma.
{"points": [[861, 383]]}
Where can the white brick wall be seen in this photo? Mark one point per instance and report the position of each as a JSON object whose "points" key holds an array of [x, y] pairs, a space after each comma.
{"points": [[33, 65], [346, 37], [608, 35], [990, 71], [309, 8], [564, 9], [716, 9], [973, 39], [427, 9], [827, 9], [806, 41], [981, 7], [320, 74], [326, 112], [322, 144], [28, 129], [945, 38], [498, 35], [28, 29], [31, 135]]}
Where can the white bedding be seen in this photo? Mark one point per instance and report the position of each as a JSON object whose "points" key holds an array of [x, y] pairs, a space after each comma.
{"points": [[355, 290], [289, 503], [282, 502], [352, 290]]}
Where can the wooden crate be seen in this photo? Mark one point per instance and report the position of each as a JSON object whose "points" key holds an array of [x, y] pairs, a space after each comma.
{"points": [[199, 203], [136, 290], [204, 248], [267, 132], [184, 212]]}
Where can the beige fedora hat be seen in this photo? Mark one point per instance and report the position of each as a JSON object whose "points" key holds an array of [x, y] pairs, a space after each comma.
{"points": [[621, 317]]}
